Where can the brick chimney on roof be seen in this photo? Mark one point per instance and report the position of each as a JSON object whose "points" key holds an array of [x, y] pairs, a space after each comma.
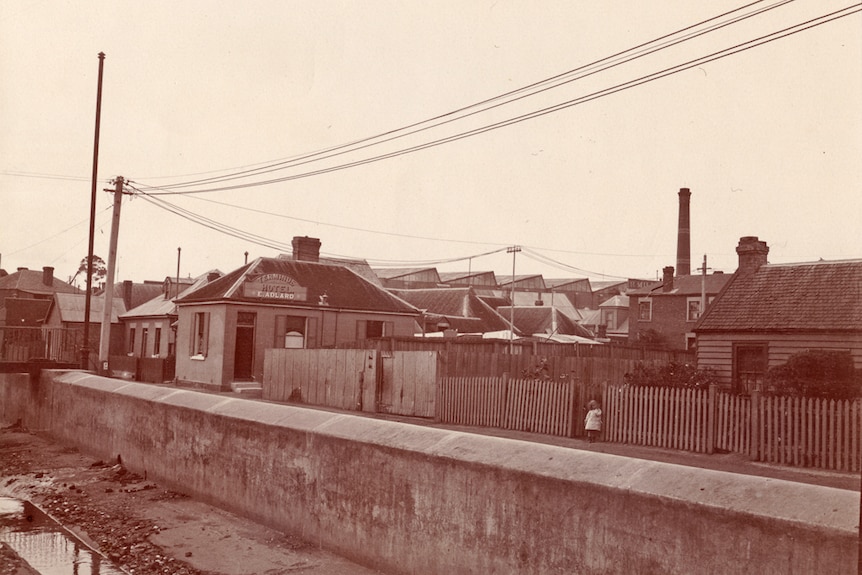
{"points": [[752, 254], [667, 278], [48, 276], [127, 293], [683, 238], [306, 248]]}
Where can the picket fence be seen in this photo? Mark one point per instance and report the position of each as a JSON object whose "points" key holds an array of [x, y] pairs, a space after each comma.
{"points": [[802, 432], [538, 406]]}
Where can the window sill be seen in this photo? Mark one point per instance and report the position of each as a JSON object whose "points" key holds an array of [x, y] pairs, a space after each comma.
{"points": [[198, 357]]}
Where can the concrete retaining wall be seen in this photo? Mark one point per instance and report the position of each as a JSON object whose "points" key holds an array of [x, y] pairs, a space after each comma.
{"points": [[417, 500]]}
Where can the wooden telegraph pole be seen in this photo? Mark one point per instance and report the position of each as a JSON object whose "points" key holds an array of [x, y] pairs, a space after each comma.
{"points": [[85, 347], [105, 335]]}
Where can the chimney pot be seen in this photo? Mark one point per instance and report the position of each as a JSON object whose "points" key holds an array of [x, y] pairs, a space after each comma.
{"points": [[48, 275]]}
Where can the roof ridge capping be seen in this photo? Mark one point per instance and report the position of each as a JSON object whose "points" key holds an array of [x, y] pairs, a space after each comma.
{"points": [[815, 263]]}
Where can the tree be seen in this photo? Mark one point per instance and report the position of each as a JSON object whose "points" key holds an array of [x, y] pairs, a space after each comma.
{"points": [[816, 373], [100, 269]]}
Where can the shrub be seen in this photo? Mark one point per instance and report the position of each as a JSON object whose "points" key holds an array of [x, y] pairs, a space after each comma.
{"points": [[671, 374], [816, 373]]}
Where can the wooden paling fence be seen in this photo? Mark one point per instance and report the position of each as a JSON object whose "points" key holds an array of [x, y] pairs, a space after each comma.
{"points": [[808, 432], [540, 406], [825, 434], [803, 432], [658, 416]]}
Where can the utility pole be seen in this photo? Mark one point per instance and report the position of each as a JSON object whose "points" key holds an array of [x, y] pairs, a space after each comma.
{"points": [[179, 253], [512, 250], [703, 286], [85, 348], [105, 335]]}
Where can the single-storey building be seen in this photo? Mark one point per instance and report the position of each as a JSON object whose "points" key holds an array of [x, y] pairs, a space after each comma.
{"points": [[224, 326], [768, 312]]}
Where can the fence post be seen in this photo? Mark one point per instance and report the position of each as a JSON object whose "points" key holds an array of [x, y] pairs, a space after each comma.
{"points": [[504, 405], [754, 421], [710, 420]]}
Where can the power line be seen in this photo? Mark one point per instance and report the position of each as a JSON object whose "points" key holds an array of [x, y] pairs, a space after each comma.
{"points": [[733, 50], [275, 244], [506, 98], [339, 226]]}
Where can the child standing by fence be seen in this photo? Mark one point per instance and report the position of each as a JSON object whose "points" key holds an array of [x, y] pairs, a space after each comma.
{"points": [[593, 421]]}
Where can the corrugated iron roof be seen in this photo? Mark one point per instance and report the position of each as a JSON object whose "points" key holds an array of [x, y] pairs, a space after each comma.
{"points": [[534, 320], [461, 307], [816, 296], [71, 307]]}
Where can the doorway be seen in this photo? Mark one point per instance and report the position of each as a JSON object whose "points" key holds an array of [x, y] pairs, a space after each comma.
{"points": [[243, 358]]}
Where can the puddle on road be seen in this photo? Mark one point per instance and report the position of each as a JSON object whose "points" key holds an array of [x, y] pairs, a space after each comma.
{"points": [[46, 545]]}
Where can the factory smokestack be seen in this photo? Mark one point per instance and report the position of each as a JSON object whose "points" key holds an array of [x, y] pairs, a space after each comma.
{"points": [[683, 241]]}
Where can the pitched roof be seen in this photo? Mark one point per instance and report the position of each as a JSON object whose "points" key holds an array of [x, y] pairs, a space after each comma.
{"points": [[816, 296], [690, 285], [469, 278], [311, 285], [163, 305], [140, 292], [462, 309], [541, 319], [359, 266], [71, 307], [405, 273], [527, 280], [616, 301], [569, 284], [32, 282]]}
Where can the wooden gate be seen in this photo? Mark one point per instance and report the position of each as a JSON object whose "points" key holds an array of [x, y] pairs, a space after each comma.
{"points": [[408, 383], [341, 378]]}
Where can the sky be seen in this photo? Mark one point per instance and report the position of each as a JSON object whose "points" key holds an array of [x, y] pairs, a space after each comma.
{"points": [[768, 140]]}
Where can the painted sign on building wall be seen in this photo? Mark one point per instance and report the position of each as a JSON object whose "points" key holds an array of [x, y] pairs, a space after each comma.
{"points": [[274, 287]]}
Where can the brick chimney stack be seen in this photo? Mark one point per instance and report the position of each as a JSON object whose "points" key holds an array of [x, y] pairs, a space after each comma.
{"points": [[128, 287], [306, 248], [752, 254], [683, 238], [667, 278], [48, 276]]}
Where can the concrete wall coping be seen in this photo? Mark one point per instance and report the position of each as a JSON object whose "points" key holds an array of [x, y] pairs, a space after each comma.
{"points": [[732, 493]]}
